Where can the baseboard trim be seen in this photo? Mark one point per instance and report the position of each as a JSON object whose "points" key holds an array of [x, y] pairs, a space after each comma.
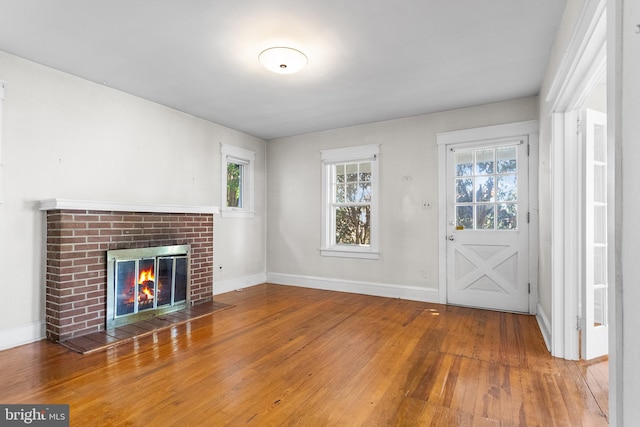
{"points": [[413, 293], [544, 325], [20, 335], [224, 286]]}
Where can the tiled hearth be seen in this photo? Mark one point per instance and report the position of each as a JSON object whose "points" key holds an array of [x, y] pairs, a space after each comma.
{"points": [[79, 234]]}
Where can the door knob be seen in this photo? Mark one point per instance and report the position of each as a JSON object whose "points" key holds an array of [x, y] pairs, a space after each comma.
{"points": [[450, 237]]}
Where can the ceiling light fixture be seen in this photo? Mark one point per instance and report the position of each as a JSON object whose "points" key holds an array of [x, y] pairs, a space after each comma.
{"points": [[283, 60]]}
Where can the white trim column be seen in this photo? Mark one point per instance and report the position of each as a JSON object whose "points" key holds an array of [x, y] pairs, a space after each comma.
{"points": [[582, 65], [624, 127]]}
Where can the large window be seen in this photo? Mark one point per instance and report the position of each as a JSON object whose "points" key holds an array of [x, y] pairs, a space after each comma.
{"points": [[350, 191], [237, 182]]}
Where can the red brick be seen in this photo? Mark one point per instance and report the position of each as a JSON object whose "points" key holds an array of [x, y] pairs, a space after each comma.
{"points": [[99, 225], [110, 218], [86, 247]]}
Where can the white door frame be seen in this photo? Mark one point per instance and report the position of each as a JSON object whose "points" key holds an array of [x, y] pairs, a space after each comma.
{"points": [[578, 73], [447, 139]]}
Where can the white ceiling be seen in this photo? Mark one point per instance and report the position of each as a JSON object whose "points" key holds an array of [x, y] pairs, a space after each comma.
{"points": [[369, 60]]}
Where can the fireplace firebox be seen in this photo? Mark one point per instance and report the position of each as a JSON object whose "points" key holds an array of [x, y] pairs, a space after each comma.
{"points": [[146, 282]]}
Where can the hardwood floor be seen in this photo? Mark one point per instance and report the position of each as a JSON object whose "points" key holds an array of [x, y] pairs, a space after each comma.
{"points": [[286, 356]]}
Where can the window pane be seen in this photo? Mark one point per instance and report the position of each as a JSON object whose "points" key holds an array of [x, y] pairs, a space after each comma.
{"points": [[352, 225], [464, 163], [352, 172], [339, 173], [507, 188], [484, 189], [507, 159], [464, 216], [352, 193], [365, 172], [340, 194], [507, 216], [484, 162], [484, 217], [234, 185], [464, 190], [364, 194]]}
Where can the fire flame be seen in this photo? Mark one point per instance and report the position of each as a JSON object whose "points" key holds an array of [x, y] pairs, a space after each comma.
{"points": [[146, 276]]}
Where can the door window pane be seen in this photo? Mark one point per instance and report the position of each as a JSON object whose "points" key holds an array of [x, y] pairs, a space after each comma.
{"points": [[484, 217], [464, 190], [507, 159], [464, 216], [507, 216], [600, 306], [600, 265], [600, 224], [599, 144], [484, 161], [507, 188], [484, 189], [600, 183], [464, 163]]}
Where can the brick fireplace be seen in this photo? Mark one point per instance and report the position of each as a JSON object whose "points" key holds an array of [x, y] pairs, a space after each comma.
{"points": [[79, 234]]}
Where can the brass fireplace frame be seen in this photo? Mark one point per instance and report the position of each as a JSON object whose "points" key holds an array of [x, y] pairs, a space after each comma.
{"points": [[112, 320]]}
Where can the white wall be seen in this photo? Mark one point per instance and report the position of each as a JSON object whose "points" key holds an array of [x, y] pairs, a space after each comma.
{"points": [[64, 137], [408, 177]]}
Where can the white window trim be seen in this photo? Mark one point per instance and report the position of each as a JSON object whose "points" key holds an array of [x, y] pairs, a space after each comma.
{"points": [[230, 153], [342, 155]]}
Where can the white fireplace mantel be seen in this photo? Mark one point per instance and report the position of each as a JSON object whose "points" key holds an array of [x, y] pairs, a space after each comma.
{"points": [[94, 205]]}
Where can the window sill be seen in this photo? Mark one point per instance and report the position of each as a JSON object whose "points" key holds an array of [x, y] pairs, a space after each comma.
{"points": [[236, 213], [349, 253]]}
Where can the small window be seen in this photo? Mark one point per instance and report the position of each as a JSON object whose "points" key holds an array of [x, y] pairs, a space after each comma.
{"points": [[235, 172], [237, 182], [350, 192]]}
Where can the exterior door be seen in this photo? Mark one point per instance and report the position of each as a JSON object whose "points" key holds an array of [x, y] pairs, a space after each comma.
{"points": [[595, 325], [487, 225]]}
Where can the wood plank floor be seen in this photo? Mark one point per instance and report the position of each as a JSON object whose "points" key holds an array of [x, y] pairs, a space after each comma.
{"points": [[119, 335], [287, 356]]}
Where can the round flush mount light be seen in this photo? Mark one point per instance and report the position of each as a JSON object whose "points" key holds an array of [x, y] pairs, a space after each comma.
{"points": [[282, 60]]}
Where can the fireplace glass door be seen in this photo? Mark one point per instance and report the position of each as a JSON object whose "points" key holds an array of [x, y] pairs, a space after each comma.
{"points": [[146, 285]]}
